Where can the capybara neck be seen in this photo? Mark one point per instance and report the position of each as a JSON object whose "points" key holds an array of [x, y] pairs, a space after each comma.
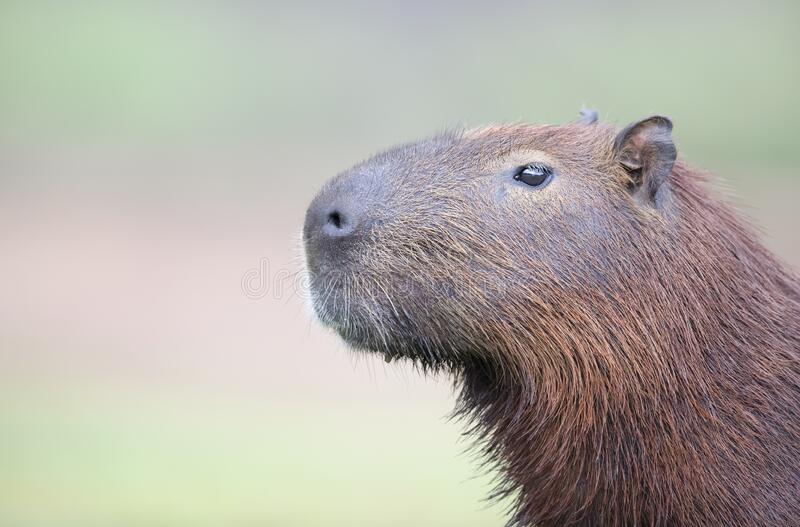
{"points": [[645, 397]]}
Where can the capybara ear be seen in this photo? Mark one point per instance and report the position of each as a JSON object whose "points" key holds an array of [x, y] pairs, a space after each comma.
{"points": [[645, 149]]}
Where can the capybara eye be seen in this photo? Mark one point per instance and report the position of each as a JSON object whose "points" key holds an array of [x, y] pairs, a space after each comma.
{"points": [[535, 175]]}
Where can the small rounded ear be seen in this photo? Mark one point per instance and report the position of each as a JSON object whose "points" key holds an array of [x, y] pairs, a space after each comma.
{"points": [[646, 150]]}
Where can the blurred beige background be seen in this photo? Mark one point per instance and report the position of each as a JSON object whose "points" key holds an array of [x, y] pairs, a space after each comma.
{"points": [[154, 154]]}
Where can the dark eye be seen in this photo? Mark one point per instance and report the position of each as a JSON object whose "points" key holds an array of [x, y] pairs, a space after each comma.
{"points": [[535, 175]]}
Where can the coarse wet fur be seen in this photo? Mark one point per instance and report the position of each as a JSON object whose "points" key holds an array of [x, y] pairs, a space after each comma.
{"points": [[627, 351]]}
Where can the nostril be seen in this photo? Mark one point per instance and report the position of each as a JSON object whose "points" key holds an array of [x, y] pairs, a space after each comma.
{"points": [[338, 223], [335, 219]]}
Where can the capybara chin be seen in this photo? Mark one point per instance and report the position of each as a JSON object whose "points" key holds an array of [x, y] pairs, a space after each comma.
{"points": [[627, 351]]}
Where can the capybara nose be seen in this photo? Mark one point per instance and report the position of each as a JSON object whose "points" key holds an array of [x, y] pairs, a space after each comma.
{"points": [[338, 222], [330, 220], [333, 221]]}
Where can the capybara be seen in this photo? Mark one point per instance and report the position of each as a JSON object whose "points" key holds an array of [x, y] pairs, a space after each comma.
{"points": [[625, 348]]}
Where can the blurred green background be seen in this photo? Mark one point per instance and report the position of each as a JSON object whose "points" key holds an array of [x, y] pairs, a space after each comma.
{"points": [[153, 154]]}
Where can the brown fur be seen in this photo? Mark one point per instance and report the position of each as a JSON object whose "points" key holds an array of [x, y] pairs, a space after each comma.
{"points": [[624, 361]]}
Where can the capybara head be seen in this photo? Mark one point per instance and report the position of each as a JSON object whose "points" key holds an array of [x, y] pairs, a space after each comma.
{"points": [[626, 348], [441, 249]]}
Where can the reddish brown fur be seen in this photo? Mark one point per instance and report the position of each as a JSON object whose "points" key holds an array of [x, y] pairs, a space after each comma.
{"points": [[647, 369]]}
